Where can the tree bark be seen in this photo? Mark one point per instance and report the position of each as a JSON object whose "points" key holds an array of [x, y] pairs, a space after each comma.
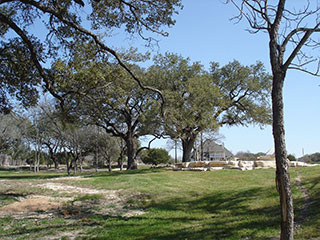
{"points": [[282, 172], [109, 165], [131, 153], [120, 159], [187, 146], [53, 157], [66, 155]]}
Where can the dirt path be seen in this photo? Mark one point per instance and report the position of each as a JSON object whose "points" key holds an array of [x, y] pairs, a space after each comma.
{"points": [[57, 197], [306, 202], [62, 199]]}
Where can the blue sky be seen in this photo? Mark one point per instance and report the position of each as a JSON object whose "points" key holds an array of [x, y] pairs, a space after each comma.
{"points": [[204, 33]]}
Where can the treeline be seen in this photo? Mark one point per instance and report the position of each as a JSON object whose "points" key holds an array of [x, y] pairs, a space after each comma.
{"points": [[99, 97]]}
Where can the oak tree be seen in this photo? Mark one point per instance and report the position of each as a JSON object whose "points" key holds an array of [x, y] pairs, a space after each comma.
{"points": [[105, 95], [198, 100]]}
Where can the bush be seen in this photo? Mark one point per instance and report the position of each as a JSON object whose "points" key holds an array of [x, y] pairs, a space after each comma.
{"points": [[155, 156], [291, 157]]}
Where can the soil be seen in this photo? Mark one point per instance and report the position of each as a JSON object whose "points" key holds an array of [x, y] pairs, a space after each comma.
{"points": [[64, 198]]}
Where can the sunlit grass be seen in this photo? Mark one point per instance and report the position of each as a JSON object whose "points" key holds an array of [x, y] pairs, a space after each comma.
{"points": [[226, 204], [195, 205], [310, 228]]}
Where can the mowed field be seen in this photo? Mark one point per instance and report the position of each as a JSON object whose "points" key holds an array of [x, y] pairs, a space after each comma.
{"points": [[155, 204]]}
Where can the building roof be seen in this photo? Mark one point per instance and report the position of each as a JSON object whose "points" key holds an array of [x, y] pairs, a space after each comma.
{"points": [[210, 146]]}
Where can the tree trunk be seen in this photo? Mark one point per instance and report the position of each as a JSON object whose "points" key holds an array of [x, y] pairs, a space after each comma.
{"points": [[38, 161], [67, 162], [187, 146], [120, 159], [80, 163], [130, 153], [56, 164], [109, 165], [53, 157], [75, 165], [35, 161], [282, 172]]}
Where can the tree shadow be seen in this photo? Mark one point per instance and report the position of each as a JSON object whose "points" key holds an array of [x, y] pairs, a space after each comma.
{"points": [[219, 215], [124, 172], [9, 196], [313, 187], [36, 176], [214, 216]]}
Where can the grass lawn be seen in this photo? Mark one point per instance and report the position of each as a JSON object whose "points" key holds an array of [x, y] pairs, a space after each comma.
{"points": [[226, 204]]}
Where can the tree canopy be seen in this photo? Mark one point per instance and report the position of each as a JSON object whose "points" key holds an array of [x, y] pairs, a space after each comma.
{"points": [[105, 95], [61, 25], [197, 100]]}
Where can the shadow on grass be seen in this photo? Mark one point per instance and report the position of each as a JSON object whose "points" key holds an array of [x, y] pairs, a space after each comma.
{"points": [[124, 172], [313, 187], [49, 174], [220, 215], [223, 215], [30, 176], [308, 215], [7, 196]]}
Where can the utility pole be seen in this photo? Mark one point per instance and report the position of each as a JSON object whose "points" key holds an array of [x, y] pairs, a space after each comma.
{"points": [[201, 146], [97, 148], [175, 151]]}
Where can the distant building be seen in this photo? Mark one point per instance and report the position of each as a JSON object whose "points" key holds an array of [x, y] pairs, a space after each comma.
{"points": [[211, 152]]}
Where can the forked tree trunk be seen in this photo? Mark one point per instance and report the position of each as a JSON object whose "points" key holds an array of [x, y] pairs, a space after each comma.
{"points": [[53, 157], [282, 172]]}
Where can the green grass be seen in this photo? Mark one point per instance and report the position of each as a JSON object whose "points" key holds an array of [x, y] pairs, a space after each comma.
{"points": [[194, 205], [21, 175], [311, 227], [226, 204]]}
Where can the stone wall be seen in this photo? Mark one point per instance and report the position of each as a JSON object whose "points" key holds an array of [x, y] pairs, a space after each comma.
{"points": [[233, 164]]}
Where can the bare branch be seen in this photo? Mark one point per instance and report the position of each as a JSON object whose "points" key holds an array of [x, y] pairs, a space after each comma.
{"points": [[297, 30], [300, 45], [315, 73]]}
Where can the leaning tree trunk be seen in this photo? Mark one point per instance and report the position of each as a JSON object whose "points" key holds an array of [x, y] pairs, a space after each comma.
{"points": [[282, 172], [187, 146]]}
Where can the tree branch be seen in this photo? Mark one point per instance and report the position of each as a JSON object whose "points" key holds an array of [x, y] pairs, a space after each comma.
{"points": [[300, 45], [86, 32], [33, 53], [295, 31]]}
